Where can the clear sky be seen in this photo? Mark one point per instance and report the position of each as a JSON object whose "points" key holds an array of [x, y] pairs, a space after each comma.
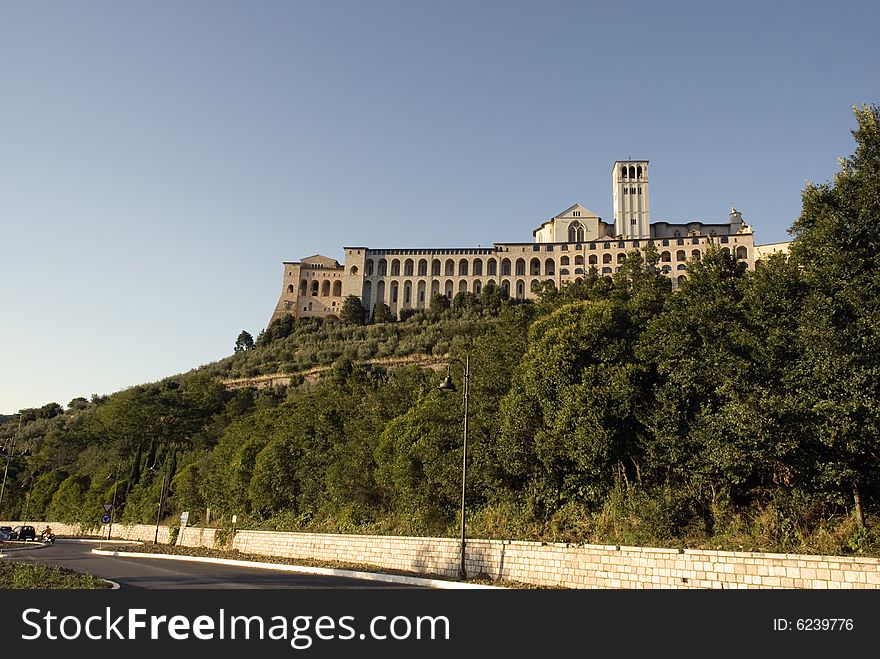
{"points": [[160, 159]]}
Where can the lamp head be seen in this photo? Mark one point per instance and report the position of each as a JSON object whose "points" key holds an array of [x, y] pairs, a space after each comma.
{"points": [[447, 384]]}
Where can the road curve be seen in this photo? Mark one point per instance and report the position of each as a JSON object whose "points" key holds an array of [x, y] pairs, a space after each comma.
{"points": [[151, 573]]}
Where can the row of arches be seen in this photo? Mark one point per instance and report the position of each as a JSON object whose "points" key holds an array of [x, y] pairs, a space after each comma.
{"points": [[418, 294], [633, 171], [322, 289], [680, 255], [506, 267], [492, 267]]}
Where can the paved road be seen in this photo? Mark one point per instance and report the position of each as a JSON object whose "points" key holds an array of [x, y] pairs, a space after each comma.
{"points": [[132, 573]]}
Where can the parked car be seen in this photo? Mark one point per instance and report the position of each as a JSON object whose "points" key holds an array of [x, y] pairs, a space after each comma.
{"points": [[4, 532], [23, 533]]}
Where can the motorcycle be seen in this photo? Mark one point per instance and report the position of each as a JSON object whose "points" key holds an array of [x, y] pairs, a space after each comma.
{"points": [[47, 538]]}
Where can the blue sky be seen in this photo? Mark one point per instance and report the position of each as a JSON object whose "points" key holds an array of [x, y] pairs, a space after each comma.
{"points": [[159, 160]]}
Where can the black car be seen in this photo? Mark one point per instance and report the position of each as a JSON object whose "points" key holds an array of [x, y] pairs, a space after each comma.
{"points": [[23, 533]]}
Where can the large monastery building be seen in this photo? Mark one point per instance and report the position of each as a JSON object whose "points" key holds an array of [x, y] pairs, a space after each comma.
{"points": [[563, 249]]}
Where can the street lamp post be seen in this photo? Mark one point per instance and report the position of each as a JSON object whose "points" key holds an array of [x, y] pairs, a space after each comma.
{"points": [[161, 498], [113, 504], [449, 385], [9, 453]]}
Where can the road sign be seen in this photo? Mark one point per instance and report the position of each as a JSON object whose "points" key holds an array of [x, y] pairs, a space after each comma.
{"points": [[107, 507], [184, 518], [105, 519]]}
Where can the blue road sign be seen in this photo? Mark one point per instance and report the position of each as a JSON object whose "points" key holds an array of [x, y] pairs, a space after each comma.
{"points": [[105, 519]]}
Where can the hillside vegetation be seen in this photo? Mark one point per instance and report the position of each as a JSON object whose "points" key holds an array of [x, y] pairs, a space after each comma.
{"points": [[741, 411]]}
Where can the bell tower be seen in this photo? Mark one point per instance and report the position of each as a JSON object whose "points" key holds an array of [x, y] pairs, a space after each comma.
{"points": [[629, 185]]}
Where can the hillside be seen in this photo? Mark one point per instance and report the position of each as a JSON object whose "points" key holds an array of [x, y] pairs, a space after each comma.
{"points": [[741, 411]]}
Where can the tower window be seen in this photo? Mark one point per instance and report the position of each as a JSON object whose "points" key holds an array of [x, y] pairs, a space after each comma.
{"points": [[633, 221], [576, 213]]}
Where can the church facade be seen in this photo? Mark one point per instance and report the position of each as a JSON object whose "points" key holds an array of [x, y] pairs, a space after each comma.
{"points": [[563, 249]]}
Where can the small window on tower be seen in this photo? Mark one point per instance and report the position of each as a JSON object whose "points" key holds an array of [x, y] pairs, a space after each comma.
{"points": [[576, 213], [633, 221]]}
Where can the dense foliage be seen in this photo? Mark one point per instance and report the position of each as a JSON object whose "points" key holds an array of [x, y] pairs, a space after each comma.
{"points": [[739, 411]]}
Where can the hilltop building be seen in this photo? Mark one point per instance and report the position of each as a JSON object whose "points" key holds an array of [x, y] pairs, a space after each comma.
{"points": [[563, 249]]}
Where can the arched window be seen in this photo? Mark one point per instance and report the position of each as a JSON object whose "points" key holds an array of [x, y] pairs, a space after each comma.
{"points": [[383, 267], [695, 254], [632, 171], [665, 257], [606, 258], [369, 267], [639, 171], [478, 267], [423, 267], [394, 288], [563, 272], [462, 286], [315, 288], [435, 268], [421, 292], [621, 257], [505, 284], [681, 266], [290, 288], [353, 270], [578, 271], [303, 287], [407, 291], [606, 271], [367, 295], [520, 266], [463, 268], [579, 259], [564, 261], [535, 267], [520, 289], [593, 259], [680, 255], [449, 268], [325, 288], [337, 288], [575, 232], [623, 171], [492, 267], [478, 288], [549, 267], [395, 268], [408, 268], [505, 269], [449, 289], [742, 252]]}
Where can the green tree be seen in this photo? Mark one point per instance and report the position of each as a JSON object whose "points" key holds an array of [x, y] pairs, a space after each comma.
{"points": [[352, 310], [382, 313], [837, 243], [244, 341], [439, 303]]}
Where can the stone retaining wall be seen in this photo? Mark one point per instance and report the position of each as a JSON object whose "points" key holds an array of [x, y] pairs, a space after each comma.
{"points": [[142, 532], [569, 566]]}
